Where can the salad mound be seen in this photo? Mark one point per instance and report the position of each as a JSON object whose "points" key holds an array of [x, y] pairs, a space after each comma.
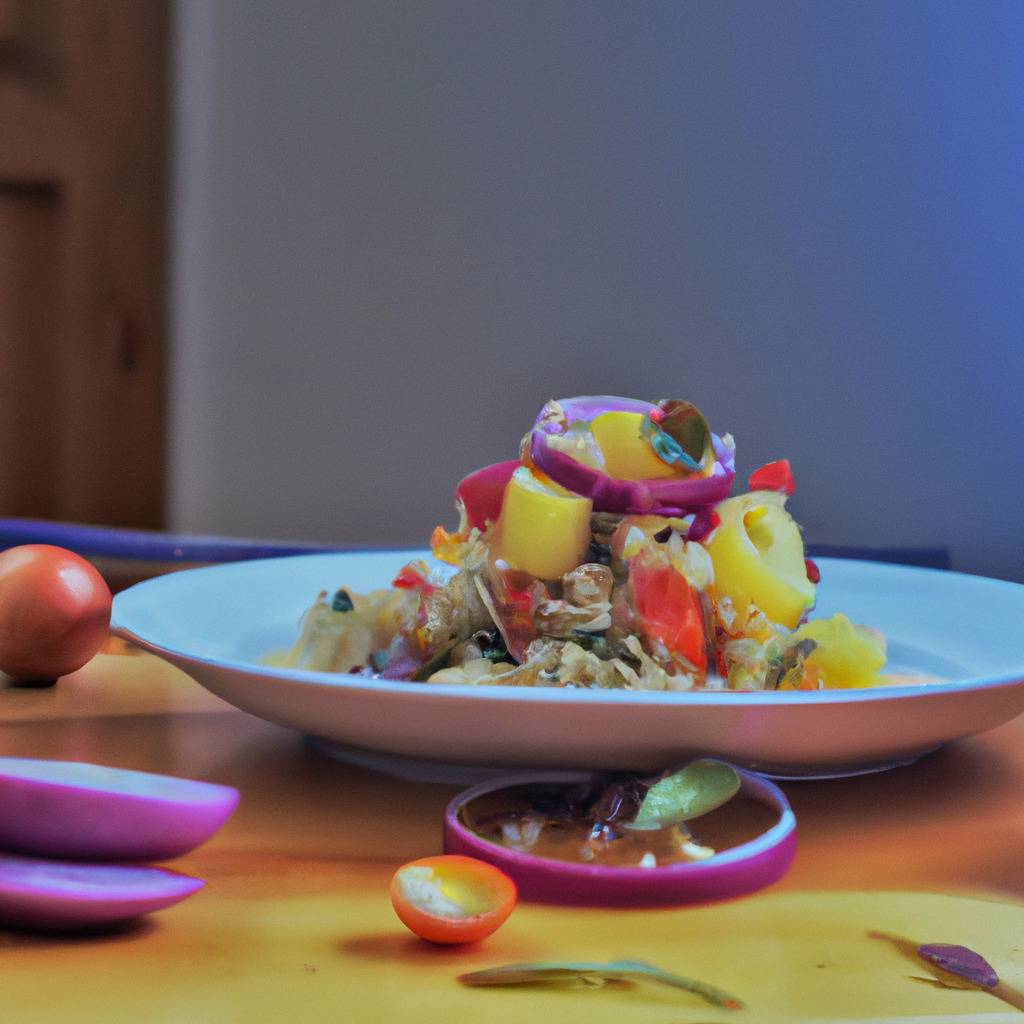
{"points": [[609, 555]]}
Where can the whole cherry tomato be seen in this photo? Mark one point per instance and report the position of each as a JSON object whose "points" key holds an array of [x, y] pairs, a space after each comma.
{"points": [[452, 899], [54, 612]]}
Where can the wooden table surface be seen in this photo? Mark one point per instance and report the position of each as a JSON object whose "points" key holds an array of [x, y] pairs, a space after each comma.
{"points": [[295, 923]]}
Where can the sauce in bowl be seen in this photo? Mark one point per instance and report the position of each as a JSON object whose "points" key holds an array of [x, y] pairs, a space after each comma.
{"points": [[564, 838]]}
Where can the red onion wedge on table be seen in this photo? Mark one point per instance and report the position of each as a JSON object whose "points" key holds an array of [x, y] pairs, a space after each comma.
{"points": [[69, 896], [88, 811]]}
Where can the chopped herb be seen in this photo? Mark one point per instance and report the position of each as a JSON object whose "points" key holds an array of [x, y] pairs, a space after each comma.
{"points": [[698, 788], [685, 424], [594, 642], [666, 447], [493, 647], [662, 536], [603, 524], [341, 602], [596, 974], [787, 664]]}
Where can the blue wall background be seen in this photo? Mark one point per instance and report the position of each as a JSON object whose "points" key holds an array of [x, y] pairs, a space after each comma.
{"points": [[401, 227]]}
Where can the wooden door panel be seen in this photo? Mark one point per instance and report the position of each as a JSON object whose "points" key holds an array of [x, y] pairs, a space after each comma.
{"points": [[29, 409], [82, 201]]}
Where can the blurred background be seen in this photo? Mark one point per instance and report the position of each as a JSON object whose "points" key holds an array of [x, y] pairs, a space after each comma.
{"points": [[291, 270]]}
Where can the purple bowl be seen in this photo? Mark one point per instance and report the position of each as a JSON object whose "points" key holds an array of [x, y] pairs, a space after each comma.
{"points": [[734, 872]]}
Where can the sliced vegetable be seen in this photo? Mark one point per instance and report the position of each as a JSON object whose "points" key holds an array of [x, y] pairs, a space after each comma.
{"points": [[65, 896], [671, 494], [668, 609], [628, 455], [844, 654], [698, 788], [510, 601], [758, 556], [632, 534], [733, 872], [543, 529], [668, 496], [71, 809], [559, 972], [481, 493], [54, 612], [772, 476], [411, 577], [452, 899]]}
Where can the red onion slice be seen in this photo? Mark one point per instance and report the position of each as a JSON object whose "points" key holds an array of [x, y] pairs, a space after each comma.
{"points": [[586, 407], [669, 496], [482, 492], [63, 895], [735, 872], [88, 811]]}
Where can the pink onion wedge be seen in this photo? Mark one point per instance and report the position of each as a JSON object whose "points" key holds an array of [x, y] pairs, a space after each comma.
{"points": [[63, 895], [733, 872], [481, 492], [670, 496], [93, 812]]}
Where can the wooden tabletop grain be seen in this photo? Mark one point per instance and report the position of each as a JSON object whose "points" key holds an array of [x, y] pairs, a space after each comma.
{"points": [[295, 921]]}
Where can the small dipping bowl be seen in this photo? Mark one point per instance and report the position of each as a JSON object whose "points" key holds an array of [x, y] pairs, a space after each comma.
{"points": [[736, 871]]}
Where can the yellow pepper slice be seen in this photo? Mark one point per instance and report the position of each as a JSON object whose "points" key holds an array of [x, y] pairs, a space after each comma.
{"points": [[846, 655], [628, 455], [758, 556], [543, 529]]}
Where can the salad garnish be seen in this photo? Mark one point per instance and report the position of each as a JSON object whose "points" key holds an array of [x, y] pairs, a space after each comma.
{"points": [[608, 555], [596, 975]]}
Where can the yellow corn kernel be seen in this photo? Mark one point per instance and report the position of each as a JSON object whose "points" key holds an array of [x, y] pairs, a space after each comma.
{"points": [[846, 655], [758, 557], [628, 455], [543, 529]]}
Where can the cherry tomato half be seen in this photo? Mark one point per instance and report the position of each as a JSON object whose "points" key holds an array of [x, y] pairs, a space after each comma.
{"points": [[54, 611], [452, 899], [668, 609], [772, 476]]}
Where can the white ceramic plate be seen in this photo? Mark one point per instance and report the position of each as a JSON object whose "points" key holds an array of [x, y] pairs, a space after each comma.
{"points": [[216, 623]]}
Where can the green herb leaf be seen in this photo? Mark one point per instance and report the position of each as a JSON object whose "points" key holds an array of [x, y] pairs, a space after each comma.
{"points": [[589, 973], [685, 424], [666, 447], [495, 649], [341, 602], [698, 788], [595, 642]]}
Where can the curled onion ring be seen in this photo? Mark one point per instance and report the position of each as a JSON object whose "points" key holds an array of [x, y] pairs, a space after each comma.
{"points": [[668, 496]]}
